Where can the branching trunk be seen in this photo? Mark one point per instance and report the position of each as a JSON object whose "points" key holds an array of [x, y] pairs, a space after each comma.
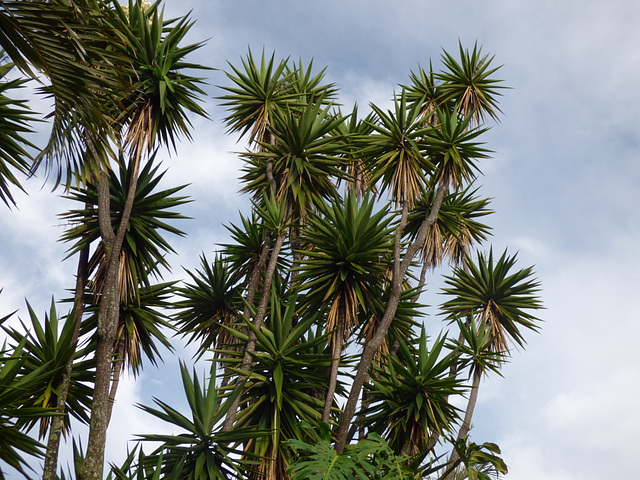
{"points": [[57, 421], [108, 318], [400, 269], [257, 323]]}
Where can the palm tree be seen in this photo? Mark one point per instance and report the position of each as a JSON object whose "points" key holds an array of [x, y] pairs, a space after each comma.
{"points": [[15, 120], [282, 386], [403, 148], [305, 158], [353, 133], [209, 306], [259, 92], [156, 107], [469, 84], [342, 271], [496, 296], [142, 256], [409, 396], [199, 451], [499, 303], [48, 345], [117, 75], [57, 40]]}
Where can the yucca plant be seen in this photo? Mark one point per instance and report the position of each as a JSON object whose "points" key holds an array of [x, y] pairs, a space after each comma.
{"points": [[495, 295], [342, 271], [469, 84], [456, 229], [284, 385], [15, 122], [498, 302], [259, 92], [145, 247], [409, 397], [304, 156], [396, 152], [47, 345], [200, 451], [209, 305]]}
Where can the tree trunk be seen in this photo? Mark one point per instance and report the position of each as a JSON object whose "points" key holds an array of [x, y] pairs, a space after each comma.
{"points": [[333, 377], [400, 269], [108, 319], [57, 421], [116, 369], [257, 323], [468, 414]]}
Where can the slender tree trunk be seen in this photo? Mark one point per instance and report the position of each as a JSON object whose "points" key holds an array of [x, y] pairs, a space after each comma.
{"points": [[468, 415], [400, 269], [257, 323], [116, 371], [252, 287], [108, 318], [333, 377], [57, 421], [254, 281]]}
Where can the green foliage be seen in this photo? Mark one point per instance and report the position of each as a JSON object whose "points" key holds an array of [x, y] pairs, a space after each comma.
{"points": [[479, 461], [15, 120], [286, 383], [326, 269], [345, 259], [409, 396], [145, 246], [47, 346], [16, 385], [455, 230], [496, 296], [370, 458], [160, 94], [199, 452], [305, 158], [209, 305], [396, 153], [470, 85]]}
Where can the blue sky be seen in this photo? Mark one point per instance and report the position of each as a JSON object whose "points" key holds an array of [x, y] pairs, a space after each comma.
{"points": [[565, 179]]}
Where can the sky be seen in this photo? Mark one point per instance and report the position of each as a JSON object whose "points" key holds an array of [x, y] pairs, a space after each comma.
{"points": [[564, 178]]}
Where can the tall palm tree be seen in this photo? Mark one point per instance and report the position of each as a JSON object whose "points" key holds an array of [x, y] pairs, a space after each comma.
{"points": [[155, 111], [293, 157], [343, 269], [499, 302], [117, 75], [449, 150]]}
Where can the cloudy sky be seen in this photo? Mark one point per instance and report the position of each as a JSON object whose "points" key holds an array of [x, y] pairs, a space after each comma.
{"points": [[565, 178]]}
